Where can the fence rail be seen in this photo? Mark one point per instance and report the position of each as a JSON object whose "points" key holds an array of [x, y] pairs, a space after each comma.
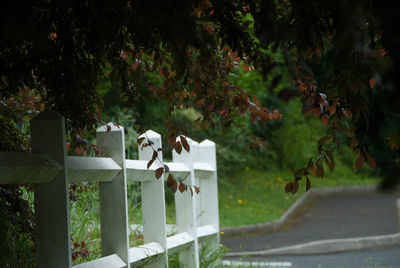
{"points": [[49, 167]]}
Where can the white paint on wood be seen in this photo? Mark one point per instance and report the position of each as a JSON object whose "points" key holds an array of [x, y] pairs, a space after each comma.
{"points": [[136, 170], [208, 212], [92, 169], [21, 168], [185, 207], [153, 199], [256, 264], [146, 254], [179, 242], [205, 232], [113, 196], [111, 261], [51, 199]]}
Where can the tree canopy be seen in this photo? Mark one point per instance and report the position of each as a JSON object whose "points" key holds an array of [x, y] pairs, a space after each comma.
{"points": [[342, 59]]}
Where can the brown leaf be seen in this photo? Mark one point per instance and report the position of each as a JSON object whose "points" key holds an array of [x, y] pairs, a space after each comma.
{"points": [[149, 163], [323, 140], [196, 189], [155, 154], [288, 187], [159, 172], [325, 119], [191, 191], [371, 161], [295, 187], [185, 144], [159, 149], [108, 128], [178, 147], [182, 187], [308, 183], [360, 161], [171, 183], [316, 112], [310, 100], [372, 82]]}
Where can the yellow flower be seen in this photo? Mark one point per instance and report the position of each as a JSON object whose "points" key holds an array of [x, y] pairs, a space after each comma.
{"points": [[240, 201], [280, 179], [247, 168], [222, 233]]}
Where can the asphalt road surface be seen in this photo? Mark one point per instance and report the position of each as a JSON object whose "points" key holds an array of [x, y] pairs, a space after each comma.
{"points": [[388, 258]]}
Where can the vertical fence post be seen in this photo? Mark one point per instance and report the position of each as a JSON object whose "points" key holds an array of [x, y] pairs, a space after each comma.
{"points": [[185, 206], [51, 199], [209, 186], [153, 200], [113, 196], [209, 194]]}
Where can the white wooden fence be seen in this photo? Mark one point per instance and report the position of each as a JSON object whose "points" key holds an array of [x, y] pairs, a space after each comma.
{"points": [[49, 167]]}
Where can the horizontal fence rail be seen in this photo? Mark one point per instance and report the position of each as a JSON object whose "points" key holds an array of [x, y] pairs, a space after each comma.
{"points": [[51, 169]]}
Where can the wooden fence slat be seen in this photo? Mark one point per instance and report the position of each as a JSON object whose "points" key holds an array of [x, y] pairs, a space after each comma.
{"points": [[52, 199], [22, 168], [153, 200], [113, 196], [185, 208]]}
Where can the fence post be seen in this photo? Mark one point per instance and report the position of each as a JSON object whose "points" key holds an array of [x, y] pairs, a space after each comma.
{"points": [[113, 196], [185, 206], [153, 200], [209, 201], [51, 199]]}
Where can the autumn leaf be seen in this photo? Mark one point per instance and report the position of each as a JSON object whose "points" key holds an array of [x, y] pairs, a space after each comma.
{"points": [[288, 187], [371, 161], [178, 147], [108, 128], [159, 172], [140, 140], [171, 183], [155, 154], [360, 161], [196, 189], [182, 187], [295, 187], [325, 119], [372, 82], [185, 144], [149, 163]]}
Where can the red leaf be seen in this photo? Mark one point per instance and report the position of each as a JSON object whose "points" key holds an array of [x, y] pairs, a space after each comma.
{"points": [[295, 187], [185, 144], [360, 161], [108, 128], [288, 187], [159, 149], [308, 183], [149, 163], [372, 82], [178, 147], [316, 112], [159, 172], [325, 119], [371, 161], [182, 187], [196, 189], [155, 154], [171, 183]]}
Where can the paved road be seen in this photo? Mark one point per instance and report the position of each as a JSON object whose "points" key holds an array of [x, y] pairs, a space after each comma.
{"points": [[336, 216], [388, 258]]}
